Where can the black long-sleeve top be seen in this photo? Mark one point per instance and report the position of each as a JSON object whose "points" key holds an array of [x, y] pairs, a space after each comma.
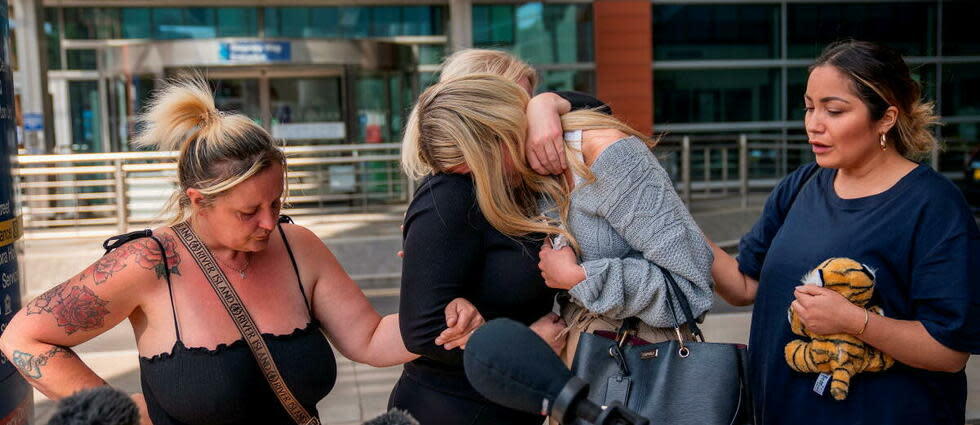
{"points": [[452, 251]]}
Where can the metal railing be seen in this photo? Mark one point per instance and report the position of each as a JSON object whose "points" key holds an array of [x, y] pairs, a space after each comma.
{"points": [[723, 166], [125, 188]]}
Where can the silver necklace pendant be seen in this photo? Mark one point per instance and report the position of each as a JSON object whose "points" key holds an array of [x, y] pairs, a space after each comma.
{"points": [[241, 273]]}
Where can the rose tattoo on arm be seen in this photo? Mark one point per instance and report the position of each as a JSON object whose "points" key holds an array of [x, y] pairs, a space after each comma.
{"points": [[75, 307], [147, 255]]}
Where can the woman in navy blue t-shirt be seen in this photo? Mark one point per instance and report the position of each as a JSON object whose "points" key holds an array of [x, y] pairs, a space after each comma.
{"points": [[869, 201]]}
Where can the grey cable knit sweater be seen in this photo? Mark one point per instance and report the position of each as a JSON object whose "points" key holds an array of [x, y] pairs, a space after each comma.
{"points": [[628, 221]]}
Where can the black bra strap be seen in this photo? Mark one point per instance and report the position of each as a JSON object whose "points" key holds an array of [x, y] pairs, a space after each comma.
{"points": [[299, 280], [120, 240]]}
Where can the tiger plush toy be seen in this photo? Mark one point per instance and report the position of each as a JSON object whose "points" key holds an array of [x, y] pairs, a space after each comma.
{"points": [[840, 355]]}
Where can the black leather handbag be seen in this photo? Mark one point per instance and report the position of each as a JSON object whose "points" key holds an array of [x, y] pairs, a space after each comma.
{"points": [[673, 382]]}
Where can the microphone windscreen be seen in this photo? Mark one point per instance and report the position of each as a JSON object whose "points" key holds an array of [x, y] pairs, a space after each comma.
{"points": [[96, 406], [512, 366], [393, 417]]}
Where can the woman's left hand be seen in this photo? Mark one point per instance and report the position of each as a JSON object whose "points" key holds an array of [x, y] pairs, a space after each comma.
{"points": [[559, 268], [825, 312], [462, 318]]}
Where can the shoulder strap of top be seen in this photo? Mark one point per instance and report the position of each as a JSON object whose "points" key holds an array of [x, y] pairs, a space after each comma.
{"points": [[574, 139], [289, 250], [120, 240]]}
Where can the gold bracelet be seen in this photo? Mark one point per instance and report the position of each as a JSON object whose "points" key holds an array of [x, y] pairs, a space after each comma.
{"points": [[867, 316]]}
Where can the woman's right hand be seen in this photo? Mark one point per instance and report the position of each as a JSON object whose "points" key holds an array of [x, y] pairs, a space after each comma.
{"points": [[545, 137], [550, 328]]}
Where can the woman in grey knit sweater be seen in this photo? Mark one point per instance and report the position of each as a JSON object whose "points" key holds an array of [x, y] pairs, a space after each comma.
{"points": [[627, 220]]}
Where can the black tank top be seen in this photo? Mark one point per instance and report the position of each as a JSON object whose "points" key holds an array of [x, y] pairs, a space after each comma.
{"points": [[195, 385]]}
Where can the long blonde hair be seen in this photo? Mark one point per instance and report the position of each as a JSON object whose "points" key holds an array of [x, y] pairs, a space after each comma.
{"points": [[485, 61], [218, 150], [479, 120]]}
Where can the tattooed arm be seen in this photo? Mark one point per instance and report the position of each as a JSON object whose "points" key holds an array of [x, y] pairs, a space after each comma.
{"points": [[38, 338]]}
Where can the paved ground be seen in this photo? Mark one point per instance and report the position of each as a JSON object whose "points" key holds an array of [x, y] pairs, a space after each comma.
{"points": [[365, 244]]}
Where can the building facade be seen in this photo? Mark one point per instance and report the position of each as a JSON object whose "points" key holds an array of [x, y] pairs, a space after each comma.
{"points": [[326, 71]]}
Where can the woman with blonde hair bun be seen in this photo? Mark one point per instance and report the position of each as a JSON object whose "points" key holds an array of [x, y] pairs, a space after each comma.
{"points": [[224, 229], [478, 219]]}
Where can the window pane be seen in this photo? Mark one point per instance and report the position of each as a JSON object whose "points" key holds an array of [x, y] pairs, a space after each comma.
{"points": [[83, 101], [107, 25], [80, 23], [52, 38], [272, 22], [795, 89], [355, 22], [294, 22], [960, 35], [481, 25], [386, 21], [422, 20], [926, 76], [136, 23], [200, 22], [427, 79], [693, 96], [81, 59], [502, 24], [237, 22], [305, 100], [959, 141], [580, 81], [237, 95], [536, 32], [324, 22], [716, 32], [908, 27], [167, 23], [961, 89], [430, 54]]}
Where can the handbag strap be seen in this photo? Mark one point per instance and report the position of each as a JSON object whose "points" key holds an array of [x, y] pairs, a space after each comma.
{"points": [[250, 332], [674, 290]]}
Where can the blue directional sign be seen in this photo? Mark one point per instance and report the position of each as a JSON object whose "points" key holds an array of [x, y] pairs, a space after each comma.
{"points": [[255, 51]]}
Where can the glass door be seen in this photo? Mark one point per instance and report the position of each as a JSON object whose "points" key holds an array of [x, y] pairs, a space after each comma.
{"points": [[240, 95], [307, 110]]}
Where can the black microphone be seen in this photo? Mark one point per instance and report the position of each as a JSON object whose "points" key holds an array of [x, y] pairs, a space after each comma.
{"points": [[512, 366], [393, 417], [96, 406]]}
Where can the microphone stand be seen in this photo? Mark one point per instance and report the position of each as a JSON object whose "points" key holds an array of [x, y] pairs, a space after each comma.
{"points": [[572, 404]]}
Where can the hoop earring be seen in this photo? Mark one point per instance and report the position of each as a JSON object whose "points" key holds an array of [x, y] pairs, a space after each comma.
{"points": [[882, 142]]}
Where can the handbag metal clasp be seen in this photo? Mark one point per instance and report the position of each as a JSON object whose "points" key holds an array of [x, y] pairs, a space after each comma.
{"points": [[683, 351], [625, 336]]}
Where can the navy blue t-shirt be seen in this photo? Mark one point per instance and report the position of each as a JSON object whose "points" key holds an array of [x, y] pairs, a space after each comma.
{"points": [[923, 243]]}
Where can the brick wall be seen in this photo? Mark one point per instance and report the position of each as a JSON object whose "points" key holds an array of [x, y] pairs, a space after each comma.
{"points": [[623, 54]]}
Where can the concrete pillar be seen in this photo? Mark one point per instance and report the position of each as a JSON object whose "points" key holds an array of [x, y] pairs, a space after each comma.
{"points": [[460, 24], [32, 60], [623, 58]]}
